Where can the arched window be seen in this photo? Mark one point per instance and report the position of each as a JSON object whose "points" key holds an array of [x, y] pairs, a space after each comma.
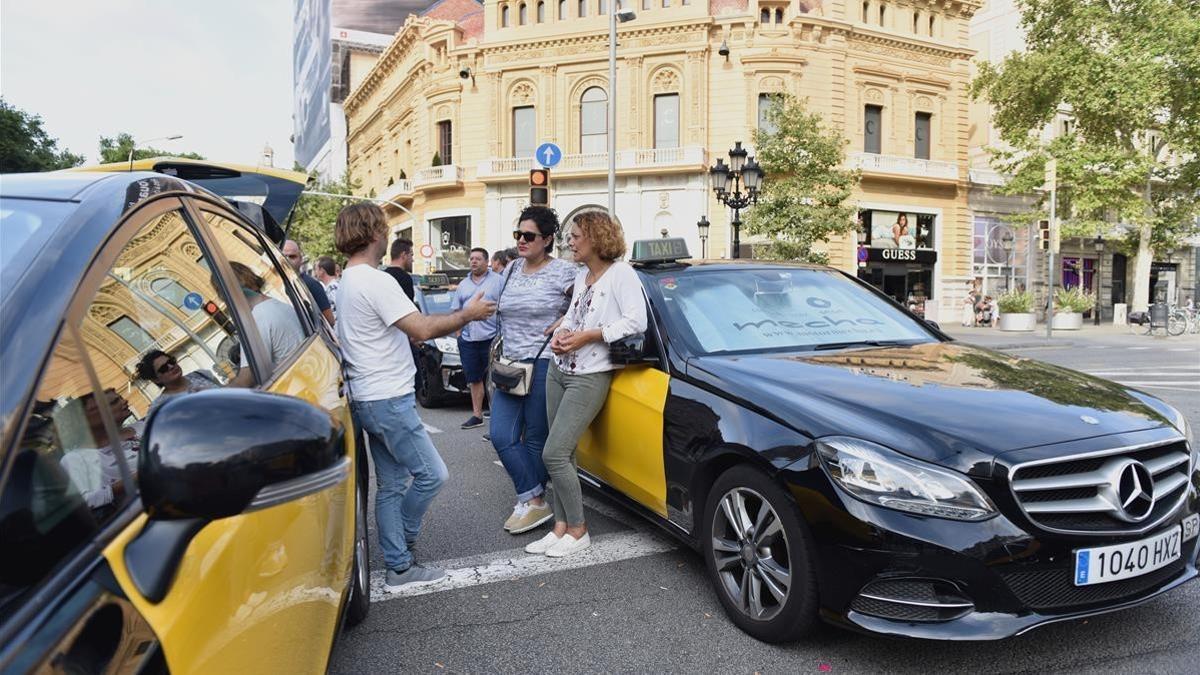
{"points": [[916, 22], [779, 15], [582, 8], [593, 120], [541, 12], [882, 9], [522, 14], [765, 17], [866, 12], [504, 16], [931, 26], [562, 9]]}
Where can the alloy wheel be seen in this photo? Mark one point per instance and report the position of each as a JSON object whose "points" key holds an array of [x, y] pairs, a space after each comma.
{"points": [[360, 541], [750, 552]]}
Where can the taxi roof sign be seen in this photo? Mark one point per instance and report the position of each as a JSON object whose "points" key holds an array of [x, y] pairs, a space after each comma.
{"points": [[667, 249]]}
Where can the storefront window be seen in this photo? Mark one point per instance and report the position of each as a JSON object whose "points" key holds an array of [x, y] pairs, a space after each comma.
{"points": [[897, 255], [454, 237]]}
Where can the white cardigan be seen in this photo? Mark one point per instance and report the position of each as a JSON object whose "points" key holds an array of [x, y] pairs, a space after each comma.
{"points": [[617, 307]]}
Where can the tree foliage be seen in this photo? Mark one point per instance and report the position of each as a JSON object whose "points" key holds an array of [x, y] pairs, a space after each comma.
{"points": [[805, 194], [25, 146], [314, 216], [116, 149], [1126, 72]]}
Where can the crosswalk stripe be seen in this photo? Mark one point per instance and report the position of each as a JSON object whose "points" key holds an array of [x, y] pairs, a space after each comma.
{"points": [[516, 564]]}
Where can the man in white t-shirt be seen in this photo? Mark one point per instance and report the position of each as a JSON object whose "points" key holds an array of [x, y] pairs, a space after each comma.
{"points": [[375, 322]]}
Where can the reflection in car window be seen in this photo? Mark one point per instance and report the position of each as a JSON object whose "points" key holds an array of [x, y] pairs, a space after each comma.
{"points": [[148, 343], [263, 284], [64, 479], [780, 309], [438, 302]]}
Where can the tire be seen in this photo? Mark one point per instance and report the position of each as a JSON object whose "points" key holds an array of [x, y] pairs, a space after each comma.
{"points": [[1177, 324], [359, 603], [430, 394], [748, 579]]}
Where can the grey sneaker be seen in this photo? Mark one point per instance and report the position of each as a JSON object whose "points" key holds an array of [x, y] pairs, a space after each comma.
{"points": [[416, 575]]}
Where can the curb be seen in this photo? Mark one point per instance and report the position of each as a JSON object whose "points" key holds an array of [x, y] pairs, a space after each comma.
{"points": [[1018, 345]]}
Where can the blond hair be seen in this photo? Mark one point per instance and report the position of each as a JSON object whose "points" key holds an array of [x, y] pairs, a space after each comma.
{"points": [[608, 239]]}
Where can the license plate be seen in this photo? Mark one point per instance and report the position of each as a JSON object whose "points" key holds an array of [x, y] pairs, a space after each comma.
{"points": [[1124, 561]]}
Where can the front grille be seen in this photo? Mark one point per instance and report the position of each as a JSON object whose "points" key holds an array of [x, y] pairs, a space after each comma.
{"points": [[895, 611], [1056, 589], [1087, 495], [911, 600]]}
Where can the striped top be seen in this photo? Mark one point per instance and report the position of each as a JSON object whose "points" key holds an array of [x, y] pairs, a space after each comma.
{"points": [[530, 303]]}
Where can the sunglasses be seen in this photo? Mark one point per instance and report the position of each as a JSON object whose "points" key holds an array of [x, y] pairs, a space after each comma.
{"points": [[171, 363], [527, 237]]}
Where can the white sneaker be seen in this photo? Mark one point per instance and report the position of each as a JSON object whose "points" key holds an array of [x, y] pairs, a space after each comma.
{"points": [[518, 513], [543, 544], [569, 545]]}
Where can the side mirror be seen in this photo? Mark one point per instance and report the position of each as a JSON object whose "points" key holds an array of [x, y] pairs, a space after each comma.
{"points": [[630, 350], [218, 453]]}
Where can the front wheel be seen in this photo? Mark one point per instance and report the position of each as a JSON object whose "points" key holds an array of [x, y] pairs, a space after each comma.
{"points": [[360, 580], [759, 556], [1177, 324]]}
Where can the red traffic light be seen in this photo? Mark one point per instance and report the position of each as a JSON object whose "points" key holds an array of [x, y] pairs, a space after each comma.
{"points": [[539, 187], [539, 177], [211, 307]]}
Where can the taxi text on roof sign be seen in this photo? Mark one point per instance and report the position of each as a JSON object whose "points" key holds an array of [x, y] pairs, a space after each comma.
{"points": [[668, 249]]}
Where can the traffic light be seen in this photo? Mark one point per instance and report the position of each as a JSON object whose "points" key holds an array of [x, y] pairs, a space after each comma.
{"points": [[539, 187], [221, 318], [1044, 235]]}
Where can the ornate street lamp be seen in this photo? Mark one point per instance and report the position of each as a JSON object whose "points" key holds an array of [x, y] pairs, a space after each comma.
{"points": [[1006, 243], [1097, 280], [702, 227], [729, 181]]}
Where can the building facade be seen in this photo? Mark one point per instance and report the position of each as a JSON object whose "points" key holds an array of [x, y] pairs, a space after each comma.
{"points": [[444, 125]]}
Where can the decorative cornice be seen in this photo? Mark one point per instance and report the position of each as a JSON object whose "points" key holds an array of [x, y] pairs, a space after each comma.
{"points": [[413, 30]]}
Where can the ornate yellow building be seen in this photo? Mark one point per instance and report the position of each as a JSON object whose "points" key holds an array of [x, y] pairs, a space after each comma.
{"points": [[445, 121]]}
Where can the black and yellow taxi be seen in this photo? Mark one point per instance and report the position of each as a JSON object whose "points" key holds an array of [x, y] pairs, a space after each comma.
{"points": [[832, 456], [180, 484], [440, 377]]}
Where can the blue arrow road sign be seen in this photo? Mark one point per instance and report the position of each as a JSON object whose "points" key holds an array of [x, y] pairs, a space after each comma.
{"points": [[193, 301], [548, 154]]}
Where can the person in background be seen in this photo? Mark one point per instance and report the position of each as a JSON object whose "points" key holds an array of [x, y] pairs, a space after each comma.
{"points": [[607, 305], [475, 340], [295, 258], [162, 369], [968, 307], [95, 471], [276, 320], [534, 293], [501, 258], [378, 320], [326, 272], [401, 265]]}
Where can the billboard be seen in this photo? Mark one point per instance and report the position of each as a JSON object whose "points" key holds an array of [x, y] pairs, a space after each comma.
{"points": [[311, 77], [375, 16]]}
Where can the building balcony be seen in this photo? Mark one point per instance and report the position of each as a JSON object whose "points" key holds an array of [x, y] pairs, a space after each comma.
{"points": [[398, 191], [643, 160], [904, 168], [986, 177], [447, 175]]}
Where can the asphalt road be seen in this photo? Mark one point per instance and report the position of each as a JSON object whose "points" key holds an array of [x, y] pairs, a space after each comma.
{"points": [[641, 603]]}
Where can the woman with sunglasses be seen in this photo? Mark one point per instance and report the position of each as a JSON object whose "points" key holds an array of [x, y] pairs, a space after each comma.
{"points": [[162, 369], [534, 295]]}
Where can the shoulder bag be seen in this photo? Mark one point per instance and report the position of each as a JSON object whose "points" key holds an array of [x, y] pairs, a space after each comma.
{"points": [[509, 375]]}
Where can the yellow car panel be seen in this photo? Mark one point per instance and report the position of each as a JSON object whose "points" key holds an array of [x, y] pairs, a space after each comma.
{"points": [[261, 592], [623, 446]]}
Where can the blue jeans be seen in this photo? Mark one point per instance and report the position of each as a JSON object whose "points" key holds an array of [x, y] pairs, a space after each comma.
{"points": [[401, 448], [518, 431]]}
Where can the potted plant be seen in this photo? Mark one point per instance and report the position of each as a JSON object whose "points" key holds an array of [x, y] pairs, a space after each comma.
{"points": [[1069, 306], [1016, 311]]}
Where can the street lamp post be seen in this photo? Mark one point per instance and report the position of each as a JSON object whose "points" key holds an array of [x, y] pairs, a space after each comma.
{"points": [[1097, 279], [623, 16], [702, 227], [173, 137], [728, 182], [1006, 243]]}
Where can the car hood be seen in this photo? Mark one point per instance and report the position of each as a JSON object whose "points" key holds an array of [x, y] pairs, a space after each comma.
{"points": [[949, 403]]}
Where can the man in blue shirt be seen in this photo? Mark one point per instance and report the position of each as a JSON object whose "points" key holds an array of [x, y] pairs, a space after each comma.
{"points": [[475, 339]]}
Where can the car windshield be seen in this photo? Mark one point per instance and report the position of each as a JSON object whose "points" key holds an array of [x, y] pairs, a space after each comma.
{"points": [[438, 301], [781, 309], [25, 224]]}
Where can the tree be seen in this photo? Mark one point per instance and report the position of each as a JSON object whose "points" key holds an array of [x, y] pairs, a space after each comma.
{"points": [[25, 146], [1126, 72], [313, 218], [805, 194], [116, 149]]}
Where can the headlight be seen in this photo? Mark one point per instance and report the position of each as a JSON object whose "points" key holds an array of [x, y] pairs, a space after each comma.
{"points": [[876, 475], [446, 345]]}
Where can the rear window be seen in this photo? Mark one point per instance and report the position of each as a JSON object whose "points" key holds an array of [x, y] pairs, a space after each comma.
{"points": [[25, 224], [438, 302]]}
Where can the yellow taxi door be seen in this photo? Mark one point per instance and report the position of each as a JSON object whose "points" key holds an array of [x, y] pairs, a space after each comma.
{"points": [[624, 445], [258, 592]]}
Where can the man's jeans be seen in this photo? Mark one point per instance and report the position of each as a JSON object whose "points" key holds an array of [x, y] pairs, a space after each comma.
{"points": [[518, 431], [401, 448]]}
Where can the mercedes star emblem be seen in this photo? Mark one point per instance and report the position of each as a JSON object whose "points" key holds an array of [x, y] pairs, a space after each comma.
{"points": [[1134, 488]]}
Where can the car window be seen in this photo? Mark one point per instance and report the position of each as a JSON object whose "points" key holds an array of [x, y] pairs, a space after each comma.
{"points": [[272, 309], [438, 301], [780, 309], [159, 327], [65, 479], [25, 225]]}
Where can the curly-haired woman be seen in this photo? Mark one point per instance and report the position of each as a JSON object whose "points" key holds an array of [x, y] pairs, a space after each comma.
{"points": [[607, 305]]}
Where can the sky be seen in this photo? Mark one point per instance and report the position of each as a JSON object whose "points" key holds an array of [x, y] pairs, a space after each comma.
{"points": [[219, 72]]}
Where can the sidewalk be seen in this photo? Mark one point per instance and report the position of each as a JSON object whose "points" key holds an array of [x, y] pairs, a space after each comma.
{"points": [[994, 338]]}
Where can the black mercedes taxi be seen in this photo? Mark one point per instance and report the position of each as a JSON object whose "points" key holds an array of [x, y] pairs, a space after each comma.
{"points": [[834, 457]]}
